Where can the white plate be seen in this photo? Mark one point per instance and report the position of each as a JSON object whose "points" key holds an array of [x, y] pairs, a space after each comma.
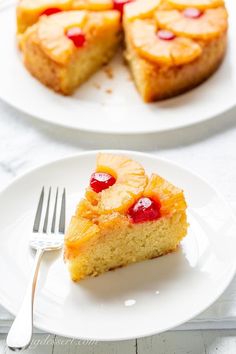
{"points": [[94, 110], [135, 301]]}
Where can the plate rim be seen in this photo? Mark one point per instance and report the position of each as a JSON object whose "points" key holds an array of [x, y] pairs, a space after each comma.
{"points": [[135, 154], [149, 131]]}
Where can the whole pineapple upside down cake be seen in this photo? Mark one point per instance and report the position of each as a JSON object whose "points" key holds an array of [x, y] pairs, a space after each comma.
{"points": [[124, 217], [171, 46]]}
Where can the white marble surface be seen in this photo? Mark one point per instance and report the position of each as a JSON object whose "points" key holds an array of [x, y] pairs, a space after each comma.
{"points": [[207, 149], [195, 342]]}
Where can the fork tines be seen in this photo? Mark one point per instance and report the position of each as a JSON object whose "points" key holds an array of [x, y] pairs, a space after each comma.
{"points": [[48, 211]]}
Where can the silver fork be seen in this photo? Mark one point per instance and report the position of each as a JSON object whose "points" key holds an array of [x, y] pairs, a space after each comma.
{"points": [[45, 237]]}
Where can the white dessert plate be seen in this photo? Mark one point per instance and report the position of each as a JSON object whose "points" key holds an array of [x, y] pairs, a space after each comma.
{"points": [[135, 301], [112, 105]]}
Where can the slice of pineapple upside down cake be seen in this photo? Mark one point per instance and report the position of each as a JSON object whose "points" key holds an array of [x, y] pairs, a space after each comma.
{"points": [[125, 217]]}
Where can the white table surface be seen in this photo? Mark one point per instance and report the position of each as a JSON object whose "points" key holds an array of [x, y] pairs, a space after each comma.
{"points": [[208, 149]]}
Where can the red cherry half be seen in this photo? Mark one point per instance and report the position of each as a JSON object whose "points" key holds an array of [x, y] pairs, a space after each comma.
{"points": [[101, 180], [145, 209], [166, 35], [51, 11], [192, 12], [76, 35], [119, 5]]}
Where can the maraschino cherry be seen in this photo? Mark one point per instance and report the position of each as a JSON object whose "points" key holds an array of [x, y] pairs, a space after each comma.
{"points": [[101, 180], [166, 35], [192, 12], [145, 209], [77, 36], [51, 11]]}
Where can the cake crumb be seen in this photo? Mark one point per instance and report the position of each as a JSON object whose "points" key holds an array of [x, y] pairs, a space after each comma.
{"points": [[109, 91], [109, 72], [96, 85]]}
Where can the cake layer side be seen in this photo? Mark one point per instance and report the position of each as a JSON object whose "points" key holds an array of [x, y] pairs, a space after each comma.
{"points": [[155, 82], [125, 243]]}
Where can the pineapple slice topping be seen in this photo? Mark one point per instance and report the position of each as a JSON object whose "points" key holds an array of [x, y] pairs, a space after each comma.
{"points": [[140, 9], [211, 24], [80, 230], [170, 197], [147, 43], [130, 182], [28, 11], [51, 34], [92, 5], [41, 5], [199, 4]]}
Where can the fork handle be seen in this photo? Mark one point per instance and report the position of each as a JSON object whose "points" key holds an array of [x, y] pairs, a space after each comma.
{"points": [[20, 334]]}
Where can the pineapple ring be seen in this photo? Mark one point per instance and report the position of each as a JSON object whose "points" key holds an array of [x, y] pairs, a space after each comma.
{"points": [[51, 34], [170, 197], [175, 52], [130, 182], [211, 24], [29, 11], [80, 230], [41, 5], [199, 4], [92, 5], [141, 9]]}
